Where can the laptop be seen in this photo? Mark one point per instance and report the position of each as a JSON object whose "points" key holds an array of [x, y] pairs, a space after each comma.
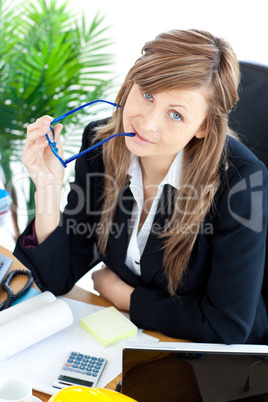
{"points": [[193, 372]]}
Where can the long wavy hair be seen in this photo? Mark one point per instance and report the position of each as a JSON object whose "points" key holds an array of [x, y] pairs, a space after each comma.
{"points": [[187, 59]]}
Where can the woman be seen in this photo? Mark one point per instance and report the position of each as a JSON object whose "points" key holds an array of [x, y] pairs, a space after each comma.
{"points": [[168, 210]]}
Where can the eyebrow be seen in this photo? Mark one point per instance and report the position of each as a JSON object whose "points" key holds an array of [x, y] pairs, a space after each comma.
{"points": [[182, 106]]}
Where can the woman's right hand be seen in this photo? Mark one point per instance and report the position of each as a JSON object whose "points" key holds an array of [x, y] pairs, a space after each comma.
{"points": [[42, 166]]}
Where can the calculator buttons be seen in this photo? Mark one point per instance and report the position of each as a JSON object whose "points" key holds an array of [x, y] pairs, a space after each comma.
{"points": [[84, 364], [80, 369]]}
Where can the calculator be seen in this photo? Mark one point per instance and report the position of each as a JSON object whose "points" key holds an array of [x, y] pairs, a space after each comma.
{"points": [[80, 369]]}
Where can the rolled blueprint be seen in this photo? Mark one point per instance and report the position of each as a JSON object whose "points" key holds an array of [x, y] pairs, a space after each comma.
{"points": [[25, 307], [34, 325]]}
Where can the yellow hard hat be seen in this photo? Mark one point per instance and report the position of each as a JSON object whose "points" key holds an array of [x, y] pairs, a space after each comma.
{"points": [[84, 394]]}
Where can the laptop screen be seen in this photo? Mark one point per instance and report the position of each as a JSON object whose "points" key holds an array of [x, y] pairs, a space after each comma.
{"points": [[172, 375]]}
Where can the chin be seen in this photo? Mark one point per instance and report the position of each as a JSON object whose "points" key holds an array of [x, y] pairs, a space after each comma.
{"points": [[135, 148]]}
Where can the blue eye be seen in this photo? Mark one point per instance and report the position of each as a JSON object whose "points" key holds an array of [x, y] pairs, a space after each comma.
{"points": [[176, 116], [147, 96]]}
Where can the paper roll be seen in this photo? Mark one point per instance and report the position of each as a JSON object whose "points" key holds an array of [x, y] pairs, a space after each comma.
{"points": [[25, 307], [34, 326]]}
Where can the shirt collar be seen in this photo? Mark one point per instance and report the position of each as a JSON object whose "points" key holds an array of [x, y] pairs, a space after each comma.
{"points": [[172, 177]]}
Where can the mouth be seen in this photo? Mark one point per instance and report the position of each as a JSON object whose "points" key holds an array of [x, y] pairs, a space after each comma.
{"points": [[140, 138]]}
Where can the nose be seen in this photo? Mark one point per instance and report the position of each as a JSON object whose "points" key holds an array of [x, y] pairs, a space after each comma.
{"points": [[151, 119]]}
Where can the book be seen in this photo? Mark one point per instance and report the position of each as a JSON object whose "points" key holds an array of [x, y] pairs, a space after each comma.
{"points": [[5, 201]]}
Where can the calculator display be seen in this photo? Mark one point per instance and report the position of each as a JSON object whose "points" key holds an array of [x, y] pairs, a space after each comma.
{"points": [[74, 381]]}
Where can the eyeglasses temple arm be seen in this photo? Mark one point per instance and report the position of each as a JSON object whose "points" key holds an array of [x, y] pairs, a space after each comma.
{"points": [[81, 107], [96, 145]]}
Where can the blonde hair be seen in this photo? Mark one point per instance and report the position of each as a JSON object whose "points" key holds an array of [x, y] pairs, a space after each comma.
{"points": [[178, 59]]}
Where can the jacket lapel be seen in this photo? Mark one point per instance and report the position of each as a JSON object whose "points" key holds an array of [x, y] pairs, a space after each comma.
{"points": [[118, 238], [152, 257]]}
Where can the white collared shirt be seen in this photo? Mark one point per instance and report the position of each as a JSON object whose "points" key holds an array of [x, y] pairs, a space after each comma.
{"points": [[137, 240]]}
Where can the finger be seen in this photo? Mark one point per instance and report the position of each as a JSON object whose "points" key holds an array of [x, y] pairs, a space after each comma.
{"points": [[37, 148], [45, 117], [39, 123], [40, 143], [39, 129], [57, 130]]}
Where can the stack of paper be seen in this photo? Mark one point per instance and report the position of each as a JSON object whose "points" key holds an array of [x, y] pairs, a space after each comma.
{"points": [[5, 201], [108, 326]]}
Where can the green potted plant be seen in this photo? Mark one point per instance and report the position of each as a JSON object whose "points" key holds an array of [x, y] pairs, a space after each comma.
{"points": [[51, 61]]}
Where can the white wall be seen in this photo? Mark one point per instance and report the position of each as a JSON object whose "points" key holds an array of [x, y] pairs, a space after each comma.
{"points": [[243, 23]]}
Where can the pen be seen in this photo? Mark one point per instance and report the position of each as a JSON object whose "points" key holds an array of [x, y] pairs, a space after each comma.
{"points": [[118, 386]]}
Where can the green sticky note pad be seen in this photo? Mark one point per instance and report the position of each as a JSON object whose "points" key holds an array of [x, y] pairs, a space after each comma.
{"points": [[108, 326]]}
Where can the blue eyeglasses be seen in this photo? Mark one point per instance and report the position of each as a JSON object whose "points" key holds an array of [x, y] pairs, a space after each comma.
{"points": [[53, 144]]}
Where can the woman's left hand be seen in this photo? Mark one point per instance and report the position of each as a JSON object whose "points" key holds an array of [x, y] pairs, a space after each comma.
{"points": [[112, 288]]}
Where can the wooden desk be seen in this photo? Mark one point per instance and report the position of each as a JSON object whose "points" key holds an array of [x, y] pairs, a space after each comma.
{"points": [[87, 297], [76, 294]]}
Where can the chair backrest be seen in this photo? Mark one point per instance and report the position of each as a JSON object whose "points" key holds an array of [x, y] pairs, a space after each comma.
{"points": [[250, 120], [250, 116]]}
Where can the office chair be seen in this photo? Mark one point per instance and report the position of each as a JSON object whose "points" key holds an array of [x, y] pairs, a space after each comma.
{"points": [[250, 120]]}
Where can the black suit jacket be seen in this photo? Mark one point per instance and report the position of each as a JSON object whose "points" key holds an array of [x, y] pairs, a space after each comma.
{"points": [[220, 299]]}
